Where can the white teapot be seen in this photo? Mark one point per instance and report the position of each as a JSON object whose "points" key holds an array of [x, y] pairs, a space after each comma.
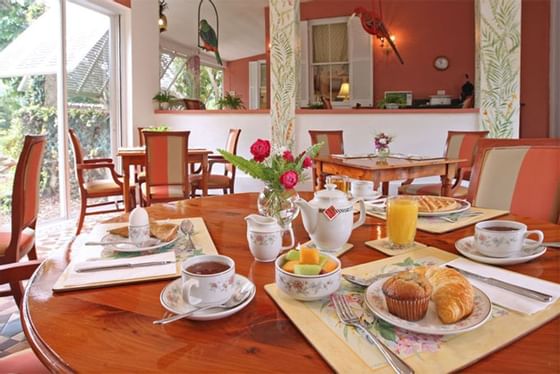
{"points": [[264, 235], [328, 218]]}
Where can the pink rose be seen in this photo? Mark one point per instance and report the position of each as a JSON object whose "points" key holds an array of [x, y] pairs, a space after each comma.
{"points": [[260, 150], [289, 179], [307, 162], [288, 156]]}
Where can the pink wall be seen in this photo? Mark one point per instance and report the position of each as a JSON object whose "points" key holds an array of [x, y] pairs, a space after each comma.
{"points": [[236, 77], [535, 37]]}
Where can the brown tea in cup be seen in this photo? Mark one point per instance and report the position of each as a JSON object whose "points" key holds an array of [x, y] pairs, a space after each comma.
{"points": [[210, 267]]}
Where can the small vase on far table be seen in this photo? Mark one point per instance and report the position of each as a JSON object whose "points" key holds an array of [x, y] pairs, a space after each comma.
{"points": [[383, 152], [278, 203]]}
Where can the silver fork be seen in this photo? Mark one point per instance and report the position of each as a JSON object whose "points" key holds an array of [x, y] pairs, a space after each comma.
{"points": [[457, 217], [347, 316]]}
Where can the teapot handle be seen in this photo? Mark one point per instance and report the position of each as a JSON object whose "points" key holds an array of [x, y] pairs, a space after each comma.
{"points": [[292, 240], [362, 217]]}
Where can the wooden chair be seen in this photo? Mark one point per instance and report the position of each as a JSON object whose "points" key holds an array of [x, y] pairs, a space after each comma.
{"points": [[519, 175], [333, 143], [459, 144], [225, 181], [326, 102], [20, 240], [167, 177], [141, 139], [96, 188]]}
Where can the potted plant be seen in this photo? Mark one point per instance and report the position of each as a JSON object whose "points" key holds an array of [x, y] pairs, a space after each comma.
{"points": [[231, 101], [164, 98], [391, 102]]}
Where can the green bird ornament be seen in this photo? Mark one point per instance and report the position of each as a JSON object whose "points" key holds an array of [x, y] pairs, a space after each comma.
{"points": [[209, 38]]}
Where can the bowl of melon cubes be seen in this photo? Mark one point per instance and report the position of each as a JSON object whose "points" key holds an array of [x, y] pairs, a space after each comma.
{"points": [[307, 274]]}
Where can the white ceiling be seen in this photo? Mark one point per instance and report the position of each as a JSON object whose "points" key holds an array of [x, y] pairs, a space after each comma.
{"points": [[242, 30]]}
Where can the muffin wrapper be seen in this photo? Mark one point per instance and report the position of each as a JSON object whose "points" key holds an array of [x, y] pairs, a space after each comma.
{"points": [[410, 310]]}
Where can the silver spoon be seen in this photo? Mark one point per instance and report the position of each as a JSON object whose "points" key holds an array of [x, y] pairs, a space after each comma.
{"points": [[366, 282], [551, 244], [187, 228], [147, 243], [239, 296]]}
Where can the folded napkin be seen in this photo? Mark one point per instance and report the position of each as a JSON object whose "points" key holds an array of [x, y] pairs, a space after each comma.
{"points": [[162, 231], [506, 298], [119, 275]]}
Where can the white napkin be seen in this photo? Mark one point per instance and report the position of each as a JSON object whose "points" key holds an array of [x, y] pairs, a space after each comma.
{"points": [[118, 275], [506, 298]]}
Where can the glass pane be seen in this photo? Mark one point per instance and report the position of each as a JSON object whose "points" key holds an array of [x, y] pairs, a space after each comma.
{"points": [[262, 87], [28, 65], [211, 86], [320, 38], [321, 82], [338, 41], [185, 82], [340, 75], [89, 90], [166, 81]]}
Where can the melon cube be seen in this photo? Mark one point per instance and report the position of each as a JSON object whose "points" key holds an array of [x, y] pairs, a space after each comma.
{"points": [[322, 259], [328, 266], [303, 269], [309, 256], [289, 265], [292, 255]]}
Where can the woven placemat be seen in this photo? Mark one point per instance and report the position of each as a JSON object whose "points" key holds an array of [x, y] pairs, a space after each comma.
{"points": [[438, 225], [345, 248], [347, 351], [383, 246]]}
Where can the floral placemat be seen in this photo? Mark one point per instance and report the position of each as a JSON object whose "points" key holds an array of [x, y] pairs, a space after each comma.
{"points": [[348, 352], [383, 246], [345, 248], [446, 223]]}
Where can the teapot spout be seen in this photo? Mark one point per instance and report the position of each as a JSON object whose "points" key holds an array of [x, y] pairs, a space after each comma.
{"points": [[308, 214]]}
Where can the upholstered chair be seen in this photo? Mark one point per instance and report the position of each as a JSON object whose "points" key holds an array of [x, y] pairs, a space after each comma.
{"points": [[96, 188], [167, 176], [225, 181], [518, 175], [20, 240], [459, 145]]}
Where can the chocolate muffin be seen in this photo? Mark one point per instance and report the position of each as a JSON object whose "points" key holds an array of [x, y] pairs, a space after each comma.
{"points": [[407, 295]]}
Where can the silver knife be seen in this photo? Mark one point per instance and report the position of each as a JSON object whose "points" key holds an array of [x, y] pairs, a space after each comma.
{"points": [[122, 266], [536, 295]]}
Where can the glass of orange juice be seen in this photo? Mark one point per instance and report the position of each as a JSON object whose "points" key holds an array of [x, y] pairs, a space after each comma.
{"points": [[402, 214]]}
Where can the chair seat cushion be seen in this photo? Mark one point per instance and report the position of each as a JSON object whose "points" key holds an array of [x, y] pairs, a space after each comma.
{"points": [[27, 240], [214, 181], [103, 186], [430, 189], [164, 192]]}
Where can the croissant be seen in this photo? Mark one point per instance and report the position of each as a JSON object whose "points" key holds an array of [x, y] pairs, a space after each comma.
{"points": [[452, 293]]}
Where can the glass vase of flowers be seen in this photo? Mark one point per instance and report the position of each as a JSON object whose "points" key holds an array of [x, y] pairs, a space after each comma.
{"points": [[281, 171], [381, 143]]}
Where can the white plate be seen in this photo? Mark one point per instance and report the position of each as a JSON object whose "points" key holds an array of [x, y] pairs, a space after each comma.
{"points": [[129, 247], [463, 205], [374, 195], [467, 248], [172, 299], [430, 324]]}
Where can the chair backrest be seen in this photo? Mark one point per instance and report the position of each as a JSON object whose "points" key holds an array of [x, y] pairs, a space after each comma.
{"points": [[77, 146], [519, 175], [326, 102], [25, 195], [231, 147], [333, 141], [141, 138], [462, 144], [166, 159]]}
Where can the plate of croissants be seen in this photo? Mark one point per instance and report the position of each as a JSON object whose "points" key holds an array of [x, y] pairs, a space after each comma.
{"points": [[429, 300]]}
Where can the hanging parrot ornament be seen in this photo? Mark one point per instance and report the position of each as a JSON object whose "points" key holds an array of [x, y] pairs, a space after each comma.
{"points": [[209, 38], [373, 24]]}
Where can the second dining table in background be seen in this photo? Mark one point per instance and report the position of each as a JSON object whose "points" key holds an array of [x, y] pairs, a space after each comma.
{"points": [[136, 156], [385, 170]]}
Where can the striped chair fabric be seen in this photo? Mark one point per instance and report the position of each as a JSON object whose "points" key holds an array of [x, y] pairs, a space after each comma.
{"points": [[20, 240], [522, 176], [460, 144], [166, 166], [333, 143]]}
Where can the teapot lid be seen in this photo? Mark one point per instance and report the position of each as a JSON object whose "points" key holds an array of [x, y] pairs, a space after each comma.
{"points": [[330, 192]]}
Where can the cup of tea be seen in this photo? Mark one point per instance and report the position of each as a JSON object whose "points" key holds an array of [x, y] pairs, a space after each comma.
{"points": [[402, 214], [363, 189], [208, 279], [342, 182], [504, 238]]}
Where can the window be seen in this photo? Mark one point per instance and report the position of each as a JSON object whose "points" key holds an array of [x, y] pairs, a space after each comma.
{"points": [[336, 62], [185, 77]]}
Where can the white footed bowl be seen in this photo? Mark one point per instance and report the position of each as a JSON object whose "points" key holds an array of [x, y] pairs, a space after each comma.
{"points": [[308, 287]]}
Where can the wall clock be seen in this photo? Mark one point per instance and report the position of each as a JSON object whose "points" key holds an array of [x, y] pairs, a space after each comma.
{"points": [[441, 63]]}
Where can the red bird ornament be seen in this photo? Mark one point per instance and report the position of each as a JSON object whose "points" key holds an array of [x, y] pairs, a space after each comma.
{"points": [[374, 25]]}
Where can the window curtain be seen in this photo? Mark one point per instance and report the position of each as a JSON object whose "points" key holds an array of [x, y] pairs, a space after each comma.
{"points": [[338, 42]]}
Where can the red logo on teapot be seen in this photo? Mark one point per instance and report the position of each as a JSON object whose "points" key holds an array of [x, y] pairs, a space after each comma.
{"points": [[331, 213]]}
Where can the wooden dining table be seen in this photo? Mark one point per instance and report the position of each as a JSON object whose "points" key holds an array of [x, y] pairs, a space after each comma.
{"points": [[382, 171], [136, 156], [110, 329]]}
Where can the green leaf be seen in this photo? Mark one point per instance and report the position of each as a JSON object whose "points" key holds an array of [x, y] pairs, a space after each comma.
{"points": [[251, 167]]}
